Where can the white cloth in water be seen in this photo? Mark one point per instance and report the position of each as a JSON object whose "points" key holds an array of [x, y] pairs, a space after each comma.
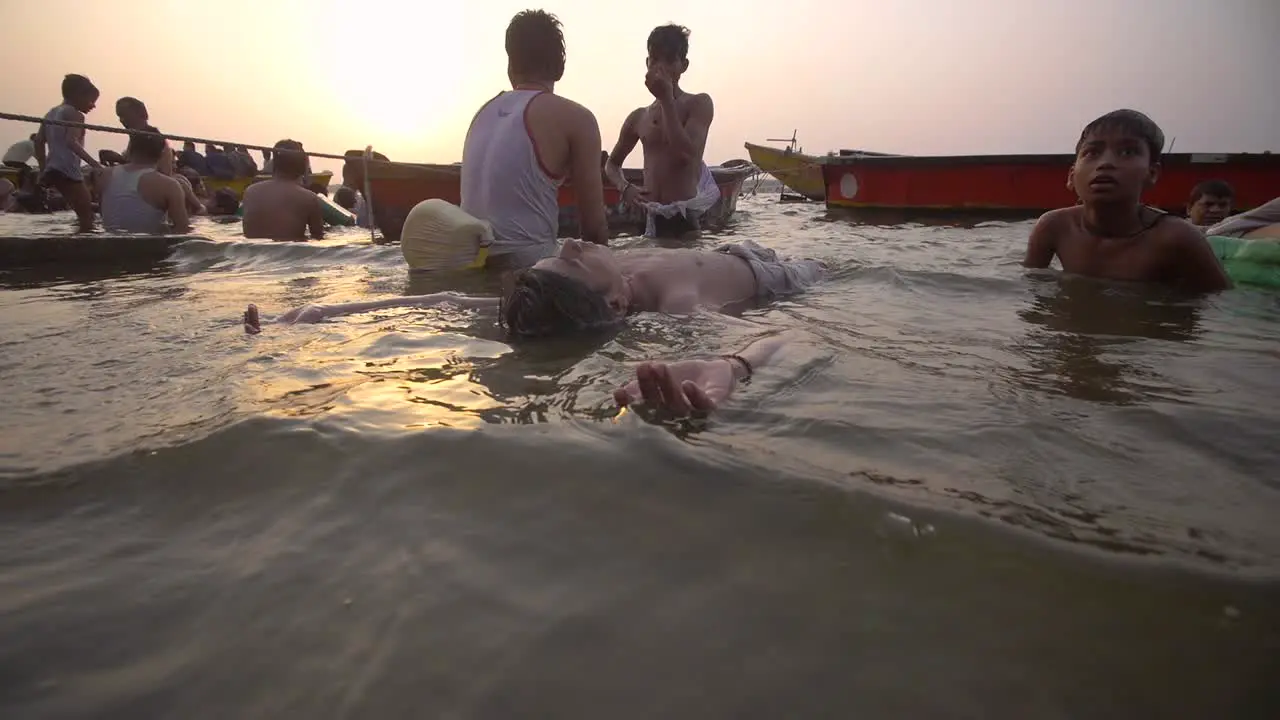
{"points": [[438, 235], [708, 194], [775, 276]]}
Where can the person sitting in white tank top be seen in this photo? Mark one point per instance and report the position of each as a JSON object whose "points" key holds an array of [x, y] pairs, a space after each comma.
{"points": [[136, 197], [524, 144]]}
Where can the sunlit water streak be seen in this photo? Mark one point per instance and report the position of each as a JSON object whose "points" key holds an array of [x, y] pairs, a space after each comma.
{"points": [[400, 514]]}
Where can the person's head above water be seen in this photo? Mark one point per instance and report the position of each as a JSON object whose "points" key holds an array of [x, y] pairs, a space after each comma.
{"points": [[1210, 202], [132, 112], [669, 49], [288, 160], [79, 93], [1117, 158], [535, 48], [344, 197], [145, 148], [580, 289]]}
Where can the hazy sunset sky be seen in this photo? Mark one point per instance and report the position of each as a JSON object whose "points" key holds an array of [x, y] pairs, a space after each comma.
{"points": [[907, 76]]}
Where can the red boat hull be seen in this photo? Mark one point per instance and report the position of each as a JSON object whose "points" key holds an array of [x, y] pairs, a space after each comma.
{"points": [[397, 187], [1027, 183]]}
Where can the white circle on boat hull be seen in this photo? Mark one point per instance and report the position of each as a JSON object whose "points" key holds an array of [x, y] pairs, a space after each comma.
{"points": [[848, 186]]}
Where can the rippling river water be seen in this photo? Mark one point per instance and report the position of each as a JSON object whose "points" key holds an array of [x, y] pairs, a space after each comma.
{"points": [[964, 492]]}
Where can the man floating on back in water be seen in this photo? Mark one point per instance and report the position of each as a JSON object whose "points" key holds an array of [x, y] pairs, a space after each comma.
{"points": [[589, 288], [678, 187], [1111, 234]]}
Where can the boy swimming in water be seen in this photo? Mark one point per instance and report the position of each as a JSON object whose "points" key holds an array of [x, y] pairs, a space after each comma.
{"points": [[1112, 235], [60, 149]]}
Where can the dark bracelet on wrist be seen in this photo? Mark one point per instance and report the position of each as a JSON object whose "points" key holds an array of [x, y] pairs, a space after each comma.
{"points": [[732, 357]]}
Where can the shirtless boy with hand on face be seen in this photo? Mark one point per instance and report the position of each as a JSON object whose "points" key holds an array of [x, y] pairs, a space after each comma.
{"points": [[1112, 235], [674, 131]]}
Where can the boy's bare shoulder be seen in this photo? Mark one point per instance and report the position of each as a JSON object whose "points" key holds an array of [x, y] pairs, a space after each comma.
{"points": [[1178, 232], [1061, 217]]}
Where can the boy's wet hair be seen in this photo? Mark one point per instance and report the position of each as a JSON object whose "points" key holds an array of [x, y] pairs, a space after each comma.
{"points": [[1129, 122], [541, 303], [289, 159], [345, 197], [77, 86], [145, 146], [133, 102], [535, 46], [1213, 188], [669, 42]]}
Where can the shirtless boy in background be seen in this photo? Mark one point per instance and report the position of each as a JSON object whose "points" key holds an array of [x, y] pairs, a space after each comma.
{"points": [[674, 132], [1112, 235]]}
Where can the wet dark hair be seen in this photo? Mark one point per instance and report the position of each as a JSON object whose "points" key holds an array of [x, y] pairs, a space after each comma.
{"points": [[542, 303], [225, 202], [143, 146], [74, 86], [1129, 122], [134, 103], [288, 159], [669, 42], [345, 197], [535, 46], [1214, 188]]}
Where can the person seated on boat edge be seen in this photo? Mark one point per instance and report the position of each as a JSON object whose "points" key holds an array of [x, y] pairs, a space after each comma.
{"points": [[1210, 203], [280, 208], [1112, 235], [220, 165], [1260, 222], [60, 148], [245, 165], [678, 186], [190, 158], [588, 287], [523, 144], [136, 196]]}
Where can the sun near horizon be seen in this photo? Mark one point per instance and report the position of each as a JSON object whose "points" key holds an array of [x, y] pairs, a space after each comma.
{"points": [[975, 76]]}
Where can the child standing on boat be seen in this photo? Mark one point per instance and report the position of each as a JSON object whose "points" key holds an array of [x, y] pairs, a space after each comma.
{"points": [[1112, 235], [60, 149]]}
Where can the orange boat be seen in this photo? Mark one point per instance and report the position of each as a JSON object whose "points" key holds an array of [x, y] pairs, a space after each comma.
{"points": [[1027, 183], [396, 187]]}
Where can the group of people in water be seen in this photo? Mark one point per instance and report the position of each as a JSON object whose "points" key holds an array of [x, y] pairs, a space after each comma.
{"points": [[523, 144], [149, 188]]}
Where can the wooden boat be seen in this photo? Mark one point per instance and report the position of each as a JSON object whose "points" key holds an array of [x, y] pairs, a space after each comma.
{"points": [[397, 187], [794, 169], [1027, 183], [316, 182]]}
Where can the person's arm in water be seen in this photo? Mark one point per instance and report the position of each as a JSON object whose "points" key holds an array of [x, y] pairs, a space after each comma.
{"points": [[689, 386], [176, 206], [194, 206], [315, 217], [1042, 243], [316, 313], [1197, 266], [588, 186], [627, 139]]}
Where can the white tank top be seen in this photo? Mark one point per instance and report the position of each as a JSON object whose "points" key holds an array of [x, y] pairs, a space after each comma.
{"points": [[504, 183], [124, 209], [58, 154]]}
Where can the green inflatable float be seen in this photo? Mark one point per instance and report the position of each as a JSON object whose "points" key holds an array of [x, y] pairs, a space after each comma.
{"points": [[1249, 262]]}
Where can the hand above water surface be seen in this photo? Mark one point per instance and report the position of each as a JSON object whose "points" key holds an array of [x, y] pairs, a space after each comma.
{"points": [[682, 388]]}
